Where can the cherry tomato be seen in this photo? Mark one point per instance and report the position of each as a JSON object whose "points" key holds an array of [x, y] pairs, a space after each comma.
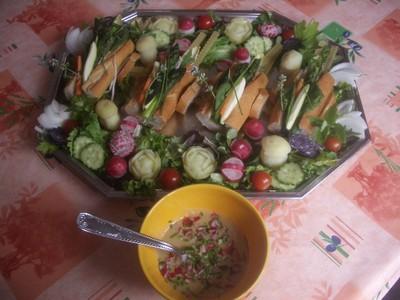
{"points": [[205, 22], [260, 180], [170, 179], [69, 125], [333, 144], [287, 33]]}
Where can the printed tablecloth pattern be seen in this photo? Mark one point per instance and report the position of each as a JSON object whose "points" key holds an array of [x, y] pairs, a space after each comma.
{"points": [[42, 254]]}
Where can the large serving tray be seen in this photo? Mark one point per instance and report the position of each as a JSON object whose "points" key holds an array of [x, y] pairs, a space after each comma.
{"points": [[110, 192]]}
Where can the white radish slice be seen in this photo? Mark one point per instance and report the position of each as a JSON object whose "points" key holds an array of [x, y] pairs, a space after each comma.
{"points": [[297, 107], [89, 63], [346, 106], [232, 169], [233, 99], [232, 175]]}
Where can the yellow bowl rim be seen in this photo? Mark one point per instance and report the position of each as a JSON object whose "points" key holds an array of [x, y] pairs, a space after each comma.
{"points": [[214, 186]]}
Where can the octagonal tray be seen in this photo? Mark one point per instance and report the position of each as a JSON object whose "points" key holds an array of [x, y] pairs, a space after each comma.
{"points": [[110, 191]]}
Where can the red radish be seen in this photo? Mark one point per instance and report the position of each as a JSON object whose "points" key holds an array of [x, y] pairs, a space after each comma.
{"points": [[186, 26], [241, 148], [269, 30], [254, 129], [129, 124], [242, 55], [232, 169], [116, 167], [122, 143], [223, 65], [183, 44], [205, 22]]}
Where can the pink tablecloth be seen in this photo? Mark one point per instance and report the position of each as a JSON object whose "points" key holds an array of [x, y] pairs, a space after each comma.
{"points": [[42, 254]]}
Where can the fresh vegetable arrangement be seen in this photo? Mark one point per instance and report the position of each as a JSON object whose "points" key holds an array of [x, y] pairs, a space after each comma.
{"points": [[274, 104]]}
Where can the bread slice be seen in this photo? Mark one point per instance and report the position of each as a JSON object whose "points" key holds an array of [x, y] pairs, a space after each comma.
{"points": [[258, 104], [102, 75], [241, 112], [171, 100], [325, 83], [128, 66], [187, 97]]}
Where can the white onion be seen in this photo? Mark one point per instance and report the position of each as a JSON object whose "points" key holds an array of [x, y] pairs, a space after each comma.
{"points": [[345, 72], [76, 40], [347, 67], [353, 122], [346, 106]]}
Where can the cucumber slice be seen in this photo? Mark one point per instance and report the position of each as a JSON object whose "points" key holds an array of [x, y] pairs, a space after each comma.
{"points": [[80, 143], [276, 184], [290, 173], [93, 156]]}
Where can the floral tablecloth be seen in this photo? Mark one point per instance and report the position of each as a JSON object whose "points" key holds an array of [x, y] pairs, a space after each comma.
{"points": [[44, 256]]}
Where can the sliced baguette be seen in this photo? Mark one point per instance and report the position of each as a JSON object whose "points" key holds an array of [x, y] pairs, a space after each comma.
{"points": [[275, 120], [241, 112], [258, 104], [325, 84], [102, 75], [187, 97], [171, 100], [331, 102], [128, 66]]}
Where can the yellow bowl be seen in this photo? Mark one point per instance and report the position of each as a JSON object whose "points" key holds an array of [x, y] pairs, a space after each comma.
{"points": [[232, 207]]}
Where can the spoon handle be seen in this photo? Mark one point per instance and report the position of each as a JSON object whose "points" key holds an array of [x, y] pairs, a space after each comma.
{"points": [[103, 228]]}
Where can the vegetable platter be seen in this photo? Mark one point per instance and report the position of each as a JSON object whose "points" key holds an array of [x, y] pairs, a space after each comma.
{"points": [[151, 100]]}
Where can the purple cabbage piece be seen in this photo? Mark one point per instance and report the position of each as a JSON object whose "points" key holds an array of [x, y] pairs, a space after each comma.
{"points": [[304, 145]]}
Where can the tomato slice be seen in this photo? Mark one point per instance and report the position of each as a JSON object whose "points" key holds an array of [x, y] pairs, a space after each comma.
{"points": [[260, 180]]}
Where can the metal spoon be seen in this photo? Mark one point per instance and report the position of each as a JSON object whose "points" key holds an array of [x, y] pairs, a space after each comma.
{"points": [[94, 225]]}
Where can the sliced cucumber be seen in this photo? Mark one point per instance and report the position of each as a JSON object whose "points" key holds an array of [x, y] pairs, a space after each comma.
{"points": [[80, 143], [290, 173], [93, 156], [298, 104], [276, 184]]}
